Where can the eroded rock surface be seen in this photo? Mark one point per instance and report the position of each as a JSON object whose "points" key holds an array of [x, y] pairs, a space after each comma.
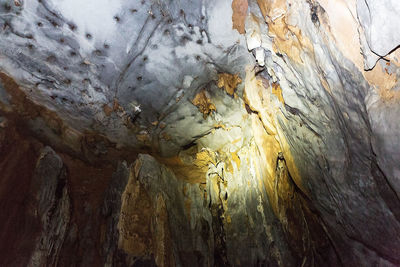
{"points": [[204, 133], [53, 207]]}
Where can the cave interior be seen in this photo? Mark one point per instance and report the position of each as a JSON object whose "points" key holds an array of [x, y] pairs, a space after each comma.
{"points": [[200, 133]]}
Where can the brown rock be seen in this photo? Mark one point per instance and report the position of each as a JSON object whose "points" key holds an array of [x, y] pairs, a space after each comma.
{"points": [[229, 82], [203, 102], [239, 8]]}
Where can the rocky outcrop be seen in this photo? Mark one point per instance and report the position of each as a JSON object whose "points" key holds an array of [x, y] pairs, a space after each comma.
{"points": [[53, 208], [35, 179], [378, 36], [167, 221], [18, 158], [326, 120]]}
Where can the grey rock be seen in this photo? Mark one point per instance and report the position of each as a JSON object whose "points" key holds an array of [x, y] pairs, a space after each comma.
{"points": [[53, 209], [150, 59], [379, 20]]}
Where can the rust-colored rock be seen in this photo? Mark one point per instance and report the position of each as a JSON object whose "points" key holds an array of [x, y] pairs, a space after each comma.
{"points": [[135, 219], [239, 13], [204, 104], [277, 90], [107, 110], [229, 82]]}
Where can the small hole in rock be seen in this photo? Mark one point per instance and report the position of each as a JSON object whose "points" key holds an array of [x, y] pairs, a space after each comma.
{"points": [[86, 80], [7, 7], [314, 17], [97, 52], [185, 39], [51, 59], [72, 26]]}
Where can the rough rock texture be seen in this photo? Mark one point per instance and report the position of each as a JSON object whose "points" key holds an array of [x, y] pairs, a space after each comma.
{"points": [[379, 21], [53, 207], [204, 133], [171, 222], [18, 158]]}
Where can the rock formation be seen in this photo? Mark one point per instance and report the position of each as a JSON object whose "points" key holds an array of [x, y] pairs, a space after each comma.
{"points": [[200, 133]]}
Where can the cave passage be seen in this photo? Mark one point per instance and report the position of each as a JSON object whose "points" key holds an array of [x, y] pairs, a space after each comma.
{"points": [[199, 133]]}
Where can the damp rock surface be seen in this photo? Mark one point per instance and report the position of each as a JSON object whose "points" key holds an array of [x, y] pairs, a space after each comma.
{"points": [[204, 133]]}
